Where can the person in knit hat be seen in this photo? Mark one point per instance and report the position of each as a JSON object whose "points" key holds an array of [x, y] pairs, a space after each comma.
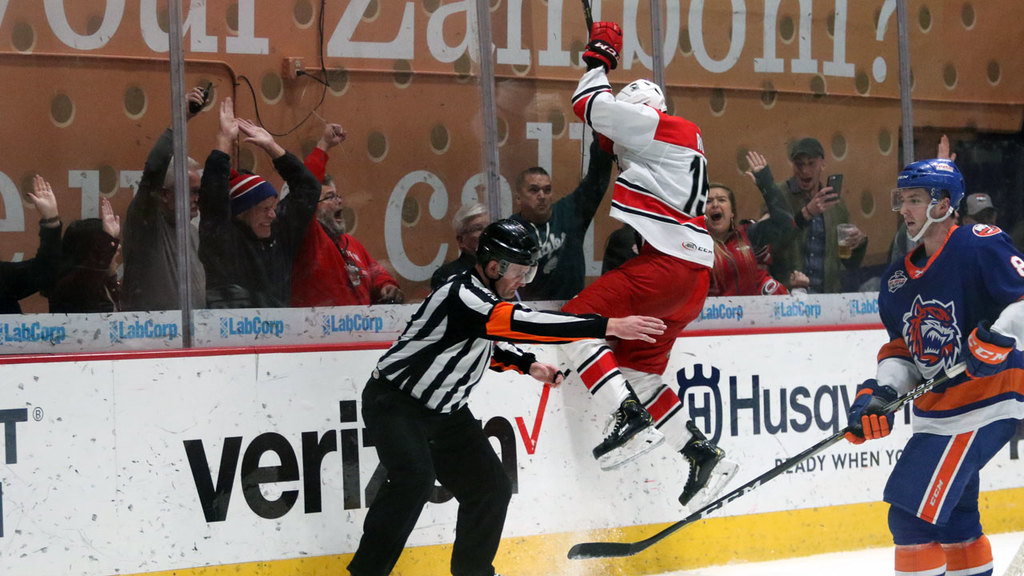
{"points": [[247, 237]]}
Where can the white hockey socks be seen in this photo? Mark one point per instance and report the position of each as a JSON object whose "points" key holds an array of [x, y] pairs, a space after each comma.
{"points": [[595, 364]]}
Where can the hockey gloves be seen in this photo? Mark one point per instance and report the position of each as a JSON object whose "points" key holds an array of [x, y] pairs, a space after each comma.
{"points": [[866, 421], [991, 352], [604, 46]]}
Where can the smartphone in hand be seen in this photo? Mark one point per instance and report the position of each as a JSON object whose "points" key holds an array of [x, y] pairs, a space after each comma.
{"points": [[835, 181], [195, 107]]}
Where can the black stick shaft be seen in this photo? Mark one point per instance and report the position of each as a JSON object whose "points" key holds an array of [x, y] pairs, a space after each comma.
{"points": [[618, 549], [588, 16]]}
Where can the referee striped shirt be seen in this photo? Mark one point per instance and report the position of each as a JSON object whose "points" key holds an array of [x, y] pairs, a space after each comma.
{"points": [[450, 341]]}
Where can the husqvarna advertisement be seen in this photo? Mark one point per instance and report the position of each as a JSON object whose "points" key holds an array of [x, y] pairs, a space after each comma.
{"points": [[149, 465]]}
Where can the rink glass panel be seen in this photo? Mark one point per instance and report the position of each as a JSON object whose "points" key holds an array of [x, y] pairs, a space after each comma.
{"points": [[88, 94]]}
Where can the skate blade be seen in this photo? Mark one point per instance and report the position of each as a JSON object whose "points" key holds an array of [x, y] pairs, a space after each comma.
{"points": [[720, 477], [646, 440]]}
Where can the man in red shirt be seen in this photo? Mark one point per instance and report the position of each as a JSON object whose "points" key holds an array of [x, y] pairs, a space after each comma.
{"points": [[332, 268]]}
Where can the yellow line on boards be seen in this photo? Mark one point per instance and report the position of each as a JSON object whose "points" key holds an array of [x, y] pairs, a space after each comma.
{"points": [[732, 539]]}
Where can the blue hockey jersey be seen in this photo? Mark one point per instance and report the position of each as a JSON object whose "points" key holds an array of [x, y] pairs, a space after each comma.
{"points": [[930, 308]]}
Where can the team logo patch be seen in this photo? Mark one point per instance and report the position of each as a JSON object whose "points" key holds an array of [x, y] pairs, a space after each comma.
{"points": [[985, 230], [896, 281], [932, 335]]}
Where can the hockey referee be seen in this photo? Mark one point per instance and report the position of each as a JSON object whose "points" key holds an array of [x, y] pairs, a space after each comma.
{"points": [[415, 403]]}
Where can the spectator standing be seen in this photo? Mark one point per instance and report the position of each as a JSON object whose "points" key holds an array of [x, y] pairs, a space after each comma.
{"points": [[88, 280], [415, 405], [247, 239], [978, 209], [741, 247], [469, 221], [332, 268], [150, 236], [813, 248], [22, 279], [560, 227]]}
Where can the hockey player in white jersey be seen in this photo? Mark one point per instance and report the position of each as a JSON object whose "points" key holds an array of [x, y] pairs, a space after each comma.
{"points": [[660, 192]]}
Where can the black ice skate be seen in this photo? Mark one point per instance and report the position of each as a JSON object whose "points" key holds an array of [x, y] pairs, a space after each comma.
{"points": [[631, 435], [709, 470]]}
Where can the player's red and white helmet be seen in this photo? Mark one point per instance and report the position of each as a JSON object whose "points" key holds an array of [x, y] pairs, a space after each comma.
{"points": [[643, 92]]}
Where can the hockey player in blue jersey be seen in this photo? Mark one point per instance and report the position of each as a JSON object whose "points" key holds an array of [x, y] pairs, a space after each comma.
{"points": [[955, 299]]}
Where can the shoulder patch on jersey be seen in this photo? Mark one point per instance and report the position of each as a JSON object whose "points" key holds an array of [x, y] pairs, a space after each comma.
{"points": [[985, 230], [896, 281], [932, 335]]}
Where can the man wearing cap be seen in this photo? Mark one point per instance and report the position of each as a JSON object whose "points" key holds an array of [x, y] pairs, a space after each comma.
{"points": [[809, 257], [979, 210], [247, 239]]}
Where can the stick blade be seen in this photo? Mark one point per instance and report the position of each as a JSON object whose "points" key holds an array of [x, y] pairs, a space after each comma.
{"points": [[587, 550]]}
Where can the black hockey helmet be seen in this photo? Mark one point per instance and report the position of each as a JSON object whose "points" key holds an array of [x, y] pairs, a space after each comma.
{"points": [[507, 242]]}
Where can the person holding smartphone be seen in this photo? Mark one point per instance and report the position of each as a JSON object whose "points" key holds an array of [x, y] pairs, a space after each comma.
{"points": [[809, 257]]}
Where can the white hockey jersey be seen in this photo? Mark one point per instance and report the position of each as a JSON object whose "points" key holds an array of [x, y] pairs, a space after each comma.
{"points": [[663, 187]]}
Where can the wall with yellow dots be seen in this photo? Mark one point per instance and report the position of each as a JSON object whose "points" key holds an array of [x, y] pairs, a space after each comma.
{"points": [[87, 92]]}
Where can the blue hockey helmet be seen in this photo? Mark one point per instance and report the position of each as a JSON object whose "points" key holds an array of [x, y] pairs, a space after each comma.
{"points": [[936, 176]]}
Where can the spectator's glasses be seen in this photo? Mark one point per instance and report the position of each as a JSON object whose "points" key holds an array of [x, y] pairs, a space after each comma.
{"points": [[329, 197]]}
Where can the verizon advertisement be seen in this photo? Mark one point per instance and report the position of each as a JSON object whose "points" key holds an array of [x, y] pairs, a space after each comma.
{"points": [[149, 465]]}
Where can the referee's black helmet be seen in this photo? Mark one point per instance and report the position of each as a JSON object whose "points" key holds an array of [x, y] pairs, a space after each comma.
{"points": [[509, 241]]}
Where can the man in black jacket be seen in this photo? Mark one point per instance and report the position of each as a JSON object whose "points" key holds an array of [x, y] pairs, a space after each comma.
{"points": [[150, 238], [559, 227], [247, 239]]}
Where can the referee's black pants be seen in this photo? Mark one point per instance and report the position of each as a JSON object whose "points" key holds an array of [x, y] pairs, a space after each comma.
{"points": [[418, 445]]}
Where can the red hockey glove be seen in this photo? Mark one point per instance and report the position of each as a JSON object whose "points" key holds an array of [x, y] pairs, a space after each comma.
{"points": [[866, 421], [604, 47], [991, 352]]}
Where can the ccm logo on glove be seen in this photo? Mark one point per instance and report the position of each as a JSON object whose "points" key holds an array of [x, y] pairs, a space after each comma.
{"points": [[985, 351]]}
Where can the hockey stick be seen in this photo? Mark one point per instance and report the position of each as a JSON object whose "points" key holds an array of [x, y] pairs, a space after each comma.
{"points": [[588, 16], [1016, 567], [619, 549]]}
